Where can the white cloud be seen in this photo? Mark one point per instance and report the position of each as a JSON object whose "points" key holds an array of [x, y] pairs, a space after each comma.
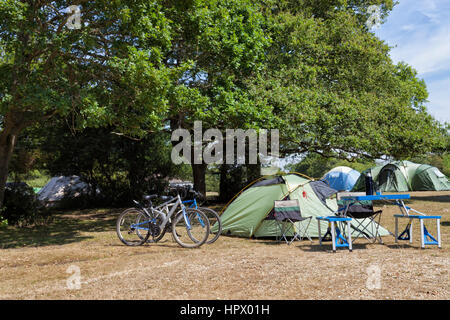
{"points": [[439, 98], [426, 52], [419, 30], [408, 27]]}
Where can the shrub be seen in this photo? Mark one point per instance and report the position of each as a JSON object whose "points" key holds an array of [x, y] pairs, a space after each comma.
{"points": [[122, 169], [21, 208], [3, 222]]}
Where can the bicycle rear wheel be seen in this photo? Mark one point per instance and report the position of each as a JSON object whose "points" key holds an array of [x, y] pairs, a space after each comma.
{"points": [[215, 224], [190, 229], [132, 227]]}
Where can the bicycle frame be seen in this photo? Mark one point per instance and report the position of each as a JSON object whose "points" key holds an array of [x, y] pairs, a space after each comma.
{"points": [[193, 205], [175, 203]]}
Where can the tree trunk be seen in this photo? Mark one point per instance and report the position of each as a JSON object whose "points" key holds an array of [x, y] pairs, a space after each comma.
{"points": [[253, 172], [232, 180], [223, 183], [199, 173], [7, 143], [198, 170]]}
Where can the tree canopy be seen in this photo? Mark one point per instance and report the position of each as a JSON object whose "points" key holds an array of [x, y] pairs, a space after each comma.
{"points": [[310, 68], [334, 88]]}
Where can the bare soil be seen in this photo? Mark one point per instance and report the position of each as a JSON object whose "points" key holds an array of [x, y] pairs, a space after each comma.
{"points": [[39, 263]]}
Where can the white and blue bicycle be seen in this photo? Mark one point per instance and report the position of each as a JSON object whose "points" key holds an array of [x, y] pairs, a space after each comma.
{"points": [[146, 223]]}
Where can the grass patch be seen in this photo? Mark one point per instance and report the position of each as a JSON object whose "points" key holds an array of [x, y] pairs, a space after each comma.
{"points": [[35, 179], [66, 227], [38, 179]]}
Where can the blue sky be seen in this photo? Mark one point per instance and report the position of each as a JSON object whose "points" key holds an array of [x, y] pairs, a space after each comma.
{"points": [[419, 32]]}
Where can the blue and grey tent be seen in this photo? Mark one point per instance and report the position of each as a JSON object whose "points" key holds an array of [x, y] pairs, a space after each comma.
{"points": [[341, 178]]}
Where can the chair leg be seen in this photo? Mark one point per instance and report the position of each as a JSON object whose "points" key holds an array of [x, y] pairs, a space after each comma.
{"points": [[306, 229], [396, 229], [370, 231], [320, 232], [303, 231], [285, 230]]}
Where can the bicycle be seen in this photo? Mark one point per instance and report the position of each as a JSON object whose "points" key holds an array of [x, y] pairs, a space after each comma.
{"points": [[213, 216], [134, 226]]}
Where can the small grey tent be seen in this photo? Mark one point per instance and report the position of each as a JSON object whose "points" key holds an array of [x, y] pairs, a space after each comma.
{"points": [[59, 188]]}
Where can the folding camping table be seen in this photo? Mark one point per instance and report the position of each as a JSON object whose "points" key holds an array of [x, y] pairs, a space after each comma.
{"points": [[337, 238], [397, 199]]}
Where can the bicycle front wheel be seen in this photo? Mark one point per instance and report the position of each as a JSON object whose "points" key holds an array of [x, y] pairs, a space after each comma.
{"points": [[133, 227], [214, 223], [190, 229]]}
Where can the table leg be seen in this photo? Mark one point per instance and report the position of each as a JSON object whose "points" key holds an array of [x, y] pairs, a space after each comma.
{"points": [[422, 234], [333, 236], [349, 237], [438, 226]]}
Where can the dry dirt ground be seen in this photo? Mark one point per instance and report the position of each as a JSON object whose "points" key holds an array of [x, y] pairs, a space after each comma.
{"points": [[42, 263]]}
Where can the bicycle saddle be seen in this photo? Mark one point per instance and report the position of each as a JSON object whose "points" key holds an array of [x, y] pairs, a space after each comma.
{"points": [[166, 198], [150, 197]]}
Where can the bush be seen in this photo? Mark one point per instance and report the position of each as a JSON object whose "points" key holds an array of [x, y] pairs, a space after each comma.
{"points": [[3, 222], [446, 164], [122, 169], [21, 208]]}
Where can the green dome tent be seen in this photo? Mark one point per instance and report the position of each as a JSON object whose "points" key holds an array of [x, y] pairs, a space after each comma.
{"points": [[246, 215], [429, 178], [401, 176]]}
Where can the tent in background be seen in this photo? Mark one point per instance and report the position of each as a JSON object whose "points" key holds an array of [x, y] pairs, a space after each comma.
{"points": [[60, 188], [341, 178], [249, 214], [401, 176]]}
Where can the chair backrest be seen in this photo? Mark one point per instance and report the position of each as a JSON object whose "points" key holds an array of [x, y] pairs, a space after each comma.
{"points": [[359, 210], [287, 209]]}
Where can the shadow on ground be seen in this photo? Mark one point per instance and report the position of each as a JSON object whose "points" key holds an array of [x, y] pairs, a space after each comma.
{"points": [[327, 247], [436, 198], [65, 228], [314, 246]]}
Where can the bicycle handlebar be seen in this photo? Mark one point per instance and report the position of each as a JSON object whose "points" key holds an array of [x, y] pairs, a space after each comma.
{"points": [[196, 193]]}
